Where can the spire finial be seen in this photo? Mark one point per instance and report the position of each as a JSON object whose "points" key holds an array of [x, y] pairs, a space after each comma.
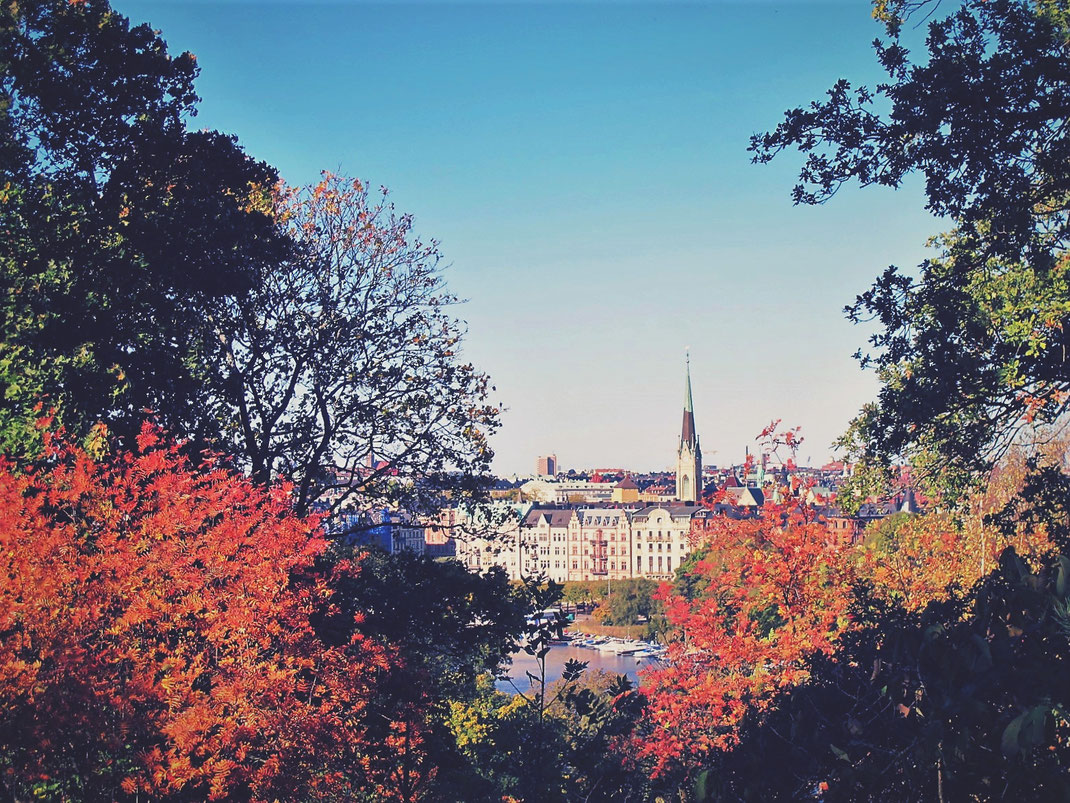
{"points": [[687, 377]]}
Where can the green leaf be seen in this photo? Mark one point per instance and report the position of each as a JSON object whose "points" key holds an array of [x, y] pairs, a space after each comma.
{"points": [[1064, 575], [1009, 743], [701, 786]]}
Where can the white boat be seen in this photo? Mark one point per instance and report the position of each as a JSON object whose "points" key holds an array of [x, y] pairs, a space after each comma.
{"points": [[619, 647]]}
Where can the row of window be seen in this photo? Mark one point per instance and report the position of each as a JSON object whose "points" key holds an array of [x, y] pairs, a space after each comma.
{"points": [[650, 564]]}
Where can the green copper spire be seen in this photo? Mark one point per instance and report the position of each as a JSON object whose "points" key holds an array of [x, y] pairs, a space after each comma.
{"points": [[687, 394]]}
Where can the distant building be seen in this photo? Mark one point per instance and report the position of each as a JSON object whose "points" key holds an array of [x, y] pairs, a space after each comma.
{"points": [[438, 536], [747, 499], [491, 536], [601, 545], [543, 543], [659, 492], [563, 492], [408, 536], [625, 491], [688, 454], [546, 466], [661, 539]]}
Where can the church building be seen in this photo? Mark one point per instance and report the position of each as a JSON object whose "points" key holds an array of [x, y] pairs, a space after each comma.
{"points": [[688, 455]]}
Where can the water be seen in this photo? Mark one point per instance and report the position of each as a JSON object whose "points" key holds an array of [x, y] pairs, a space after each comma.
{"points": [[555, 661]]}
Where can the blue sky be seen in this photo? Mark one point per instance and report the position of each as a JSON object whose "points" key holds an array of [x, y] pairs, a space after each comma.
{"points": [[584, 167]]}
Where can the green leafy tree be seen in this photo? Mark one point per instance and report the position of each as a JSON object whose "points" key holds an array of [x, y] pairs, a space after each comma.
{"points": [[630, 602], [455, 625], [971, 352], [584, 592], [119, 225], [149, 268]]}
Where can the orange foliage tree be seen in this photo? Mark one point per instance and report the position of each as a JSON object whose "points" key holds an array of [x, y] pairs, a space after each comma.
{"points": [[763, 597], [155, 640], [759, 598], [915, 560]]}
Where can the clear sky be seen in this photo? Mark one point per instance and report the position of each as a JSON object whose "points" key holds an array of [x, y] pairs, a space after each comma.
{"points": [[584, 167]]}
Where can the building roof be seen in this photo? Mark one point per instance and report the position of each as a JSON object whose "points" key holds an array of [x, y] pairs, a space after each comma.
{"points": [[600, 517], [627, 484], [674, 509], [555, 517], [744, 496]]}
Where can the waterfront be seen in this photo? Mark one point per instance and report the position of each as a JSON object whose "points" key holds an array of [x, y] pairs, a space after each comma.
{"points": [[559, 654]]}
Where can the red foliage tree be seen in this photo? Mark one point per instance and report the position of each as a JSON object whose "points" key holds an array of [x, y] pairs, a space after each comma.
{"points": [[763, 595], [155, 639]]}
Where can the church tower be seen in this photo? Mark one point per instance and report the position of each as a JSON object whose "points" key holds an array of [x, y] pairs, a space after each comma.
{"points": [[689, 455]]}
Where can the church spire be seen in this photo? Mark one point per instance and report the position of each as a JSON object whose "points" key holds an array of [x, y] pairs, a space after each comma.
{"points": [[688, 455], [687, 432]]}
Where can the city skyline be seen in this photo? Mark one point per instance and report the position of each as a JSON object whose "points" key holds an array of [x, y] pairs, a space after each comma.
{"points": [[585, 169]]}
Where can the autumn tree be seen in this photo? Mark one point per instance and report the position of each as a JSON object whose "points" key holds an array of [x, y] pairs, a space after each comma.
{"points": [[768, 596], [916, 559], [157, 640], [962, 700], [344, 362]]}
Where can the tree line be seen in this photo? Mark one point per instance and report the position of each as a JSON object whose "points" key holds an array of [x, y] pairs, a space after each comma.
{"points": [[199, 363]]}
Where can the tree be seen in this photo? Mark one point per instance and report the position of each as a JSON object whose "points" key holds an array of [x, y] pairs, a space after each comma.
{"points": [[156, 639], [584, 592], [344, 362], [628, 602], [148, 267], [451, 624], [962, 700], [770, 596], [119, 225], [971, 352], [916, 559]]}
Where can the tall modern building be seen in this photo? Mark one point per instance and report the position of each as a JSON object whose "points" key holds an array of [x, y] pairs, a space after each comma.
{"points": [[546, 466], [688, 455]]}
